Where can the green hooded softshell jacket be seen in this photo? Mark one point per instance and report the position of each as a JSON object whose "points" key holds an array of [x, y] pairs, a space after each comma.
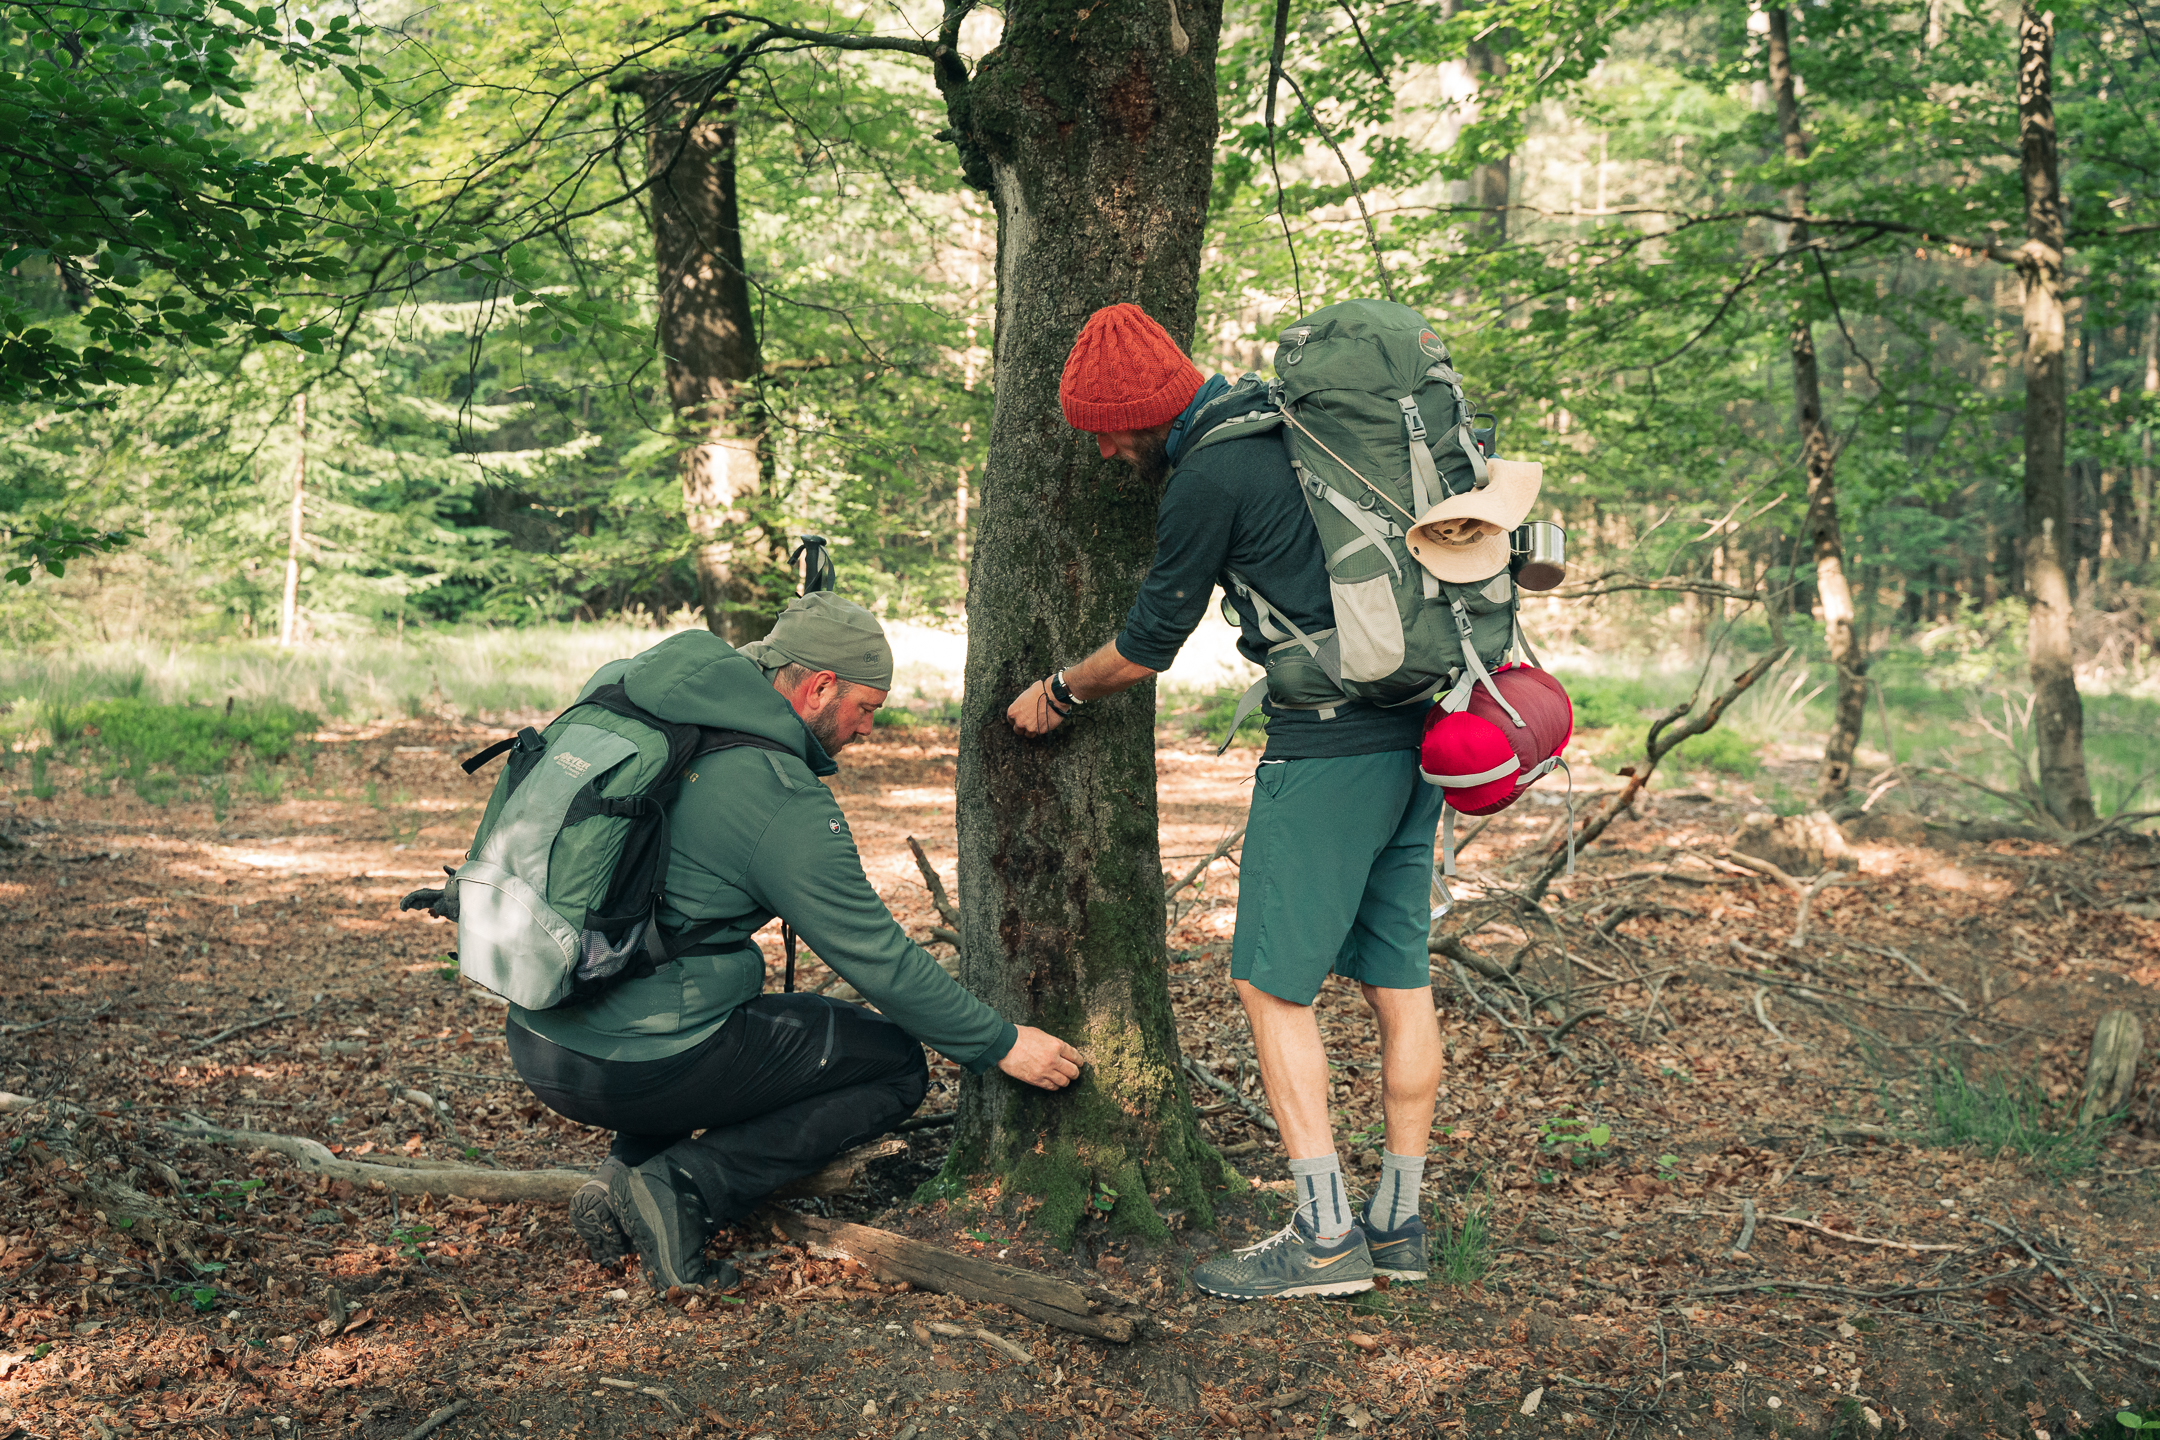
{"points": [[757, 834]]}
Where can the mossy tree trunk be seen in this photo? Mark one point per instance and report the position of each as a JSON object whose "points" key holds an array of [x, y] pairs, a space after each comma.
{"points": [[1093, 131]]}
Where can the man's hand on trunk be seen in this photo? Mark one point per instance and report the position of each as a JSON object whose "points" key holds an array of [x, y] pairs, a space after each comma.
{"points": [[1035, 713], [1041, 1059]]}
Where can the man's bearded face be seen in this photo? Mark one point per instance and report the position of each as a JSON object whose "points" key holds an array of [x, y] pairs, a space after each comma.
{"points": [[1151, 460], [825, 723]]}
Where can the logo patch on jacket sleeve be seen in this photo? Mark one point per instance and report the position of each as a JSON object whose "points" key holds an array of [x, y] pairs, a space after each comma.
{"points": [[835, 824]]}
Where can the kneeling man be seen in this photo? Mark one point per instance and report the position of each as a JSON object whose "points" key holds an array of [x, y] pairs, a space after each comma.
{"points": [[779, 1084]]}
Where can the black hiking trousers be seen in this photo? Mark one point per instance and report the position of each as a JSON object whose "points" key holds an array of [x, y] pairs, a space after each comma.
{"points": [[786, 1083]]}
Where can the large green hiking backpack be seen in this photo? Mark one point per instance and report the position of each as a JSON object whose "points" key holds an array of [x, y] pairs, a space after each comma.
{"points": [[556, 900], [1378, 431]]}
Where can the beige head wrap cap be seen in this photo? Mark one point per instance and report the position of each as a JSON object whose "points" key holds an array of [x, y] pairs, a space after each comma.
{"points": [[825, 632]]}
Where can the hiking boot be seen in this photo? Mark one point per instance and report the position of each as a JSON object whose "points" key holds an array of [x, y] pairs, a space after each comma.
{"points": [[1290, 1263], [662, 1214], [1396, 1254], [592, 1216]]}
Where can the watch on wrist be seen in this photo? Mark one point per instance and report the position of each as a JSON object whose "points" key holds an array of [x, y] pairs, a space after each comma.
{"points": [[1061, 692]]}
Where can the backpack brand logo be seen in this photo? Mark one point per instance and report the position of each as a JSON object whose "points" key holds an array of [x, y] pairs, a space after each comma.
{"points": [[573, 766], [1430, 344]]}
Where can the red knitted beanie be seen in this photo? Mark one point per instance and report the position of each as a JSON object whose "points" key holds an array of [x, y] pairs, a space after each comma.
{"points": [[1125, 373]]}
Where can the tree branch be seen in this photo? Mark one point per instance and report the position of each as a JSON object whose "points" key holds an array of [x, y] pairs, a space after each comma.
{"points": [[1665, 736]]}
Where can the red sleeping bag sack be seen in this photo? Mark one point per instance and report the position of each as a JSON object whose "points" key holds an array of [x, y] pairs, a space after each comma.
{"points": [[1481, 756]]}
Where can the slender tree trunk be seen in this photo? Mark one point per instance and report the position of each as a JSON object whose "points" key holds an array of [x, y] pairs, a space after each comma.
{"points": [[1819, 459], [1489, 182], [289, 616], [708, 332], [2058, 714], [2145, 472], [1094, 136]]}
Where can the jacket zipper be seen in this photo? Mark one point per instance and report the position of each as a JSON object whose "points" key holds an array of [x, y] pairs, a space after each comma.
{"points": [[831, 1018]]}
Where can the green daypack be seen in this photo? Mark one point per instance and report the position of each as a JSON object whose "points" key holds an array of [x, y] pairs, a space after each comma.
{"points": [[1378, 431], [555, 903]]}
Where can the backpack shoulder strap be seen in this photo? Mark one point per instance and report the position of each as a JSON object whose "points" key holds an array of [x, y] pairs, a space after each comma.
{"points": [[662, 947], [1250, 407]]}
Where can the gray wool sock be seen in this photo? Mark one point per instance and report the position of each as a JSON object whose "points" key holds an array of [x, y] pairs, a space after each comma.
{"points": [[1323, 1204], [1394, 1201]]}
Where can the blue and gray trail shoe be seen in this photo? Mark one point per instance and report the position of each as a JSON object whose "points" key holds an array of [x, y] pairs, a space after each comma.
{"points": [[1290, 1263], [1396, 1254], [664, 1217], [592, 1216]]}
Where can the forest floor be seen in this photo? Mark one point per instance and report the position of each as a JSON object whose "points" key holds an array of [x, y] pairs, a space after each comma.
{"points": [[248, 964]]}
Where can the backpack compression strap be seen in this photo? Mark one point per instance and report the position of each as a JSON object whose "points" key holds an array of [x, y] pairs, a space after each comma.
{"points": [[1474, 671], [1328, 652], [471, 764]]}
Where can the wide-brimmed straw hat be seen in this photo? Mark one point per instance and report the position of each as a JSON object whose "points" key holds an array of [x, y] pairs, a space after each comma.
{"points": [[1464, 538]]}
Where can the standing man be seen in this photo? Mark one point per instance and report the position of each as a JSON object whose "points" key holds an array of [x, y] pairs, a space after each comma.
{"points": [[778, 1084], [1338, 847]]}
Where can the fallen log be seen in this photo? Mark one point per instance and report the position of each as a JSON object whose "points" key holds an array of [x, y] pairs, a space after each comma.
{"points": [[440, 1178], [929, 1267], [417, 1175], [840, 1176], [424, 1175]]}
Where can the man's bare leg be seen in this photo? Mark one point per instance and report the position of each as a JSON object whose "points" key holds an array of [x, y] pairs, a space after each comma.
{"points": [[1293, 1068], [1410, 1064], [1293, 1071]]}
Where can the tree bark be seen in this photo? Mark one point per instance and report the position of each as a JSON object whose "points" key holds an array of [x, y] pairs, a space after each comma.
{"points": [[1819, 459], [289, 616], [1489, 182], [2058, 714], [1488, 185], [1094, 137], [708, 332], [2145, 472]]}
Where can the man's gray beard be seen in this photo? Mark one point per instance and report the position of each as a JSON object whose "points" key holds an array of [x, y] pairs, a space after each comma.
{"points": [[1153, 464], [825, 725]]}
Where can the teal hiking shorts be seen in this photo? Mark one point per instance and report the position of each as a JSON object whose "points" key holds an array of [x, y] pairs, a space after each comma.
{"points": [[1336, 875]]}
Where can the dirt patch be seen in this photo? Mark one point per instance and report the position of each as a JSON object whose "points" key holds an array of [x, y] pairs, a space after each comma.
{"points": [[250, 967]]}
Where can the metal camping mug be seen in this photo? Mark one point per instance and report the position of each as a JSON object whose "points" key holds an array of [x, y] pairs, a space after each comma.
{"points": [[1541, 547]]}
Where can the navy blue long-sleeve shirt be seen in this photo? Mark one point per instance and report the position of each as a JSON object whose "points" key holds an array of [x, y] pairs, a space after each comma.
{"points": [[1237, 506]]}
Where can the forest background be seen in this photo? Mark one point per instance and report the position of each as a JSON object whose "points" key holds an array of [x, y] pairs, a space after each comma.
{"points": [[432, 385]]}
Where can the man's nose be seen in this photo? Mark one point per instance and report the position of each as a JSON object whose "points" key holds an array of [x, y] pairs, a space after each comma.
{"points": [[1102, 443]]}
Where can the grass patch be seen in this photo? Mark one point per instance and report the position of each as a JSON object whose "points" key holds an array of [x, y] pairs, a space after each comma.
{"points": [[192, 739], [1462, 1254], [471, 671], [1999, 1116], [1602, 702], [919, 712], [263, 782], [1726, 751], [1209, 714]]}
